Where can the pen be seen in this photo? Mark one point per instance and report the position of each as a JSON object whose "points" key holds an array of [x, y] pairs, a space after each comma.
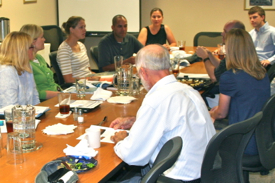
{"points": [[103, 121]]}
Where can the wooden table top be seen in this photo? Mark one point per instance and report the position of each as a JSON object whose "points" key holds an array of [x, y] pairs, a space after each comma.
{"points": [[53, 145]]}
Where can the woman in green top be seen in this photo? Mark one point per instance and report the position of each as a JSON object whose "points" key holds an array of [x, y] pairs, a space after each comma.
{"points": [[43, 75]]}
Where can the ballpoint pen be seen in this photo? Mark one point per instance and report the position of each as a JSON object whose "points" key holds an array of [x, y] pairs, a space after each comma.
{"points": [[103, 121]]}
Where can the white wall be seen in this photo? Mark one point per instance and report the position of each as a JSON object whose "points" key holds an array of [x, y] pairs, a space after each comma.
{"points": [[184, 17], [43, 12], [188, 17]]}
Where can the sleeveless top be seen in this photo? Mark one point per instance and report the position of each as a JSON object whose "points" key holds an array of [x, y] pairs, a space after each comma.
{"points": [[159, 37]]}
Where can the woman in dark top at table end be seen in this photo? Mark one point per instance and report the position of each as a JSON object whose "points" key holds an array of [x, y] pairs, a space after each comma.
{"points": [[244, 87], [157, 32]]}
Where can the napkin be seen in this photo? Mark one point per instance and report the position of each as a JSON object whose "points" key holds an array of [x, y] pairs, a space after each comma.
{"points": [[59, 129], [59, 115], [81, 149], [121, 99], [101, 94]]}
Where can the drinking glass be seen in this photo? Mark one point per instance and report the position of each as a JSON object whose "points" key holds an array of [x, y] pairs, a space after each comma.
{"points": [[181, 45], [80, 85], [8, 119], [124, 80], [175, 63], [136, 85], [64, 100], [24, 124], [118, 61], [14, 149], [221, 51]]}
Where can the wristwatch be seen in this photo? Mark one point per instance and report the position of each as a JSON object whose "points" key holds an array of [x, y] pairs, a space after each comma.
{"points": [[206, 59]]}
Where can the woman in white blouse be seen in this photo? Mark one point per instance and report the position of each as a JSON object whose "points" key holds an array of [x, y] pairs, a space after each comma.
{"points": [[16, 78]]}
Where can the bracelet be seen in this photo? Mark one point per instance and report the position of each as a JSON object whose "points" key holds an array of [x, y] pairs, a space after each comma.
{"points": [[206, 59]]}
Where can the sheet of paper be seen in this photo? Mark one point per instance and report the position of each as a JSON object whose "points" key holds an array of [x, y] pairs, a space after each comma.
{"points": [[106, 136]]}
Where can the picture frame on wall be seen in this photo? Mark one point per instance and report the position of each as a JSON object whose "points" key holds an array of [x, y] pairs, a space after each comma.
{"points": [[29, 1], [265, 4]]}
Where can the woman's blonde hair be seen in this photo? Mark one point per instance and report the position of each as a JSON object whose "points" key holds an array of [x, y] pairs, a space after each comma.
{"points": [[33, 30], [241, 54], [14, 51]]}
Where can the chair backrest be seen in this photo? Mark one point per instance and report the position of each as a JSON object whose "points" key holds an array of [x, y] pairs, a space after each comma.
{"points": [[54, 35], [222, 160], [265, 135], [56, 68], [210, 39], [167, 156], [94, 53]]}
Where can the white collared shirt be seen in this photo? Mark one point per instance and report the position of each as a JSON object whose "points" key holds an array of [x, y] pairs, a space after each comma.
{"points": [[169, 109], [264, 42]]}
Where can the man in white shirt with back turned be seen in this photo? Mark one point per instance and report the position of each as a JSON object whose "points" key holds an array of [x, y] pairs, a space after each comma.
{"points": [[263, 36], [169, 109]]}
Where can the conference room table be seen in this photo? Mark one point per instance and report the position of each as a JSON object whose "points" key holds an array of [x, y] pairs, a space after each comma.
{"points": [[108, 162]]}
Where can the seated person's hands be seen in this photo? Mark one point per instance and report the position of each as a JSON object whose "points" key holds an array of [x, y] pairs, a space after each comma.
{"points": [[166, 46], [123, 123], [265, 63], [130, 60], [119, 136], [202, 52]]}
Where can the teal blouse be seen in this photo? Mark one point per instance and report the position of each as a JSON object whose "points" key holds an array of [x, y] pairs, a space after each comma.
{"points": [[43, 76]]}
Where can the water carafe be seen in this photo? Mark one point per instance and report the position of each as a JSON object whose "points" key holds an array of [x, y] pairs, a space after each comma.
{"points": [[4, 27], [24, 124]]}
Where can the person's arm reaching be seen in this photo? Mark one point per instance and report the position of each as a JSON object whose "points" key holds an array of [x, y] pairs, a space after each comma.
{"points": [[221, 111], [206, 57]]}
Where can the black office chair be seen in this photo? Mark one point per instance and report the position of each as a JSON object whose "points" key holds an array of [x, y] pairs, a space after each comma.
{"points": [[94, 53], [265, 138], [271, 72], [210, 39], [54, 35], [222, 161], [167, 156], [58, 74]]}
